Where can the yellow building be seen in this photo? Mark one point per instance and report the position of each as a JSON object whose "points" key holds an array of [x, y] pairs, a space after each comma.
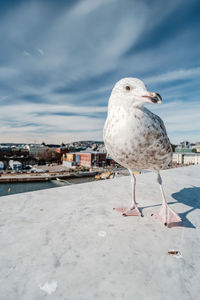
{"points": [[69, 157]]}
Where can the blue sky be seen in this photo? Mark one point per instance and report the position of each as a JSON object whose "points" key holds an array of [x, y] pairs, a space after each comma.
{"points": [[60, 59]]}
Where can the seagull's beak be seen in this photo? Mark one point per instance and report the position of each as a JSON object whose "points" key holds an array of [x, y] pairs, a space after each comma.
{"points": [[153, 97]]}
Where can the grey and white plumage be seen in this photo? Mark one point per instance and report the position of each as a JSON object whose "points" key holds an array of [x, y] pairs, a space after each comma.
{"points": [[137, 139], [134, 136]]}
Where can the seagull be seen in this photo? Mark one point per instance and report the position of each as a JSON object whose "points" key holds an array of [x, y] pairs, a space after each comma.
{"points": [[137, 139]]}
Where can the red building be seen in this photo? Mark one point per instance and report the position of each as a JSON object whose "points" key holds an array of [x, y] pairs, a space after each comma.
{"points": [[89, 159]]}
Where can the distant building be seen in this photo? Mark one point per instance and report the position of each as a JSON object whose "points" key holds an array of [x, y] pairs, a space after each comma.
{"points": [[36, 149], [62, 150], [186, 146], [111, 162], [92, 158], [12, 150], [85, 158], [1, 166], [53, 146], [196, 146], [102, 148], [69, 157], [69, 160], [69, 164], [186, 158], [15, 165], [185, 150]]}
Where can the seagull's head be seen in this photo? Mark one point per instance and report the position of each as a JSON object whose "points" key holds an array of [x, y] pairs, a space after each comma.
{"points": [[131, 92]]}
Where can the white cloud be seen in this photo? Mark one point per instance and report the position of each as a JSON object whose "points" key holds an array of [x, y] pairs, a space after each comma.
{"points": [[26, 53], [40, 51], [181, 120], [46, 124], [174, 75], [87, 6]]}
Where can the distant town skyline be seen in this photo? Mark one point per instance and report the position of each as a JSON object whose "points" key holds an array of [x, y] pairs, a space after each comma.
{"points": [[60, 59], [184, 143]]}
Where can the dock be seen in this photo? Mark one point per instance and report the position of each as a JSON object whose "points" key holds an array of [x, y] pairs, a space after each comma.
{"points": [[43, 176]]}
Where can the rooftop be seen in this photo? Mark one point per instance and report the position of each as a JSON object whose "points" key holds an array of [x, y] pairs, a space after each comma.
{"points": [[68, 243]]}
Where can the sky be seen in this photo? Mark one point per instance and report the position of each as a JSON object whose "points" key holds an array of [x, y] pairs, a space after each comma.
{"points": [[59, 61]]}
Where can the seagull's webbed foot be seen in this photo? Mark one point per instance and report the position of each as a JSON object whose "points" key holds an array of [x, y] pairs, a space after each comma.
{"points": [[128, 211], [167, 216]]}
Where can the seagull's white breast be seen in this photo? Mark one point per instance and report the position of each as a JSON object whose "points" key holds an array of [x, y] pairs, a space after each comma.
{"points": [[137, 139]]}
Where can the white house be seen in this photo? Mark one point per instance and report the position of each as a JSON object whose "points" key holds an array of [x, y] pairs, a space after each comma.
{"points": [[15, 165], [186, 158]]}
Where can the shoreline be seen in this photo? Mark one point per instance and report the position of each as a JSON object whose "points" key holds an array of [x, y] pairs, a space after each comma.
{"points": [[43, 177]]}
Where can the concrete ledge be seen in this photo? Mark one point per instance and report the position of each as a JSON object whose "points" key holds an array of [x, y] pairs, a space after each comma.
{"points": [[68, 243]]}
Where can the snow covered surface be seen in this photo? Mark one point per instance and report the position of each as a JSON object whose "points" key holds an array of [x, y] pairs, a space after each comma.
{"points": [[68, 243]]}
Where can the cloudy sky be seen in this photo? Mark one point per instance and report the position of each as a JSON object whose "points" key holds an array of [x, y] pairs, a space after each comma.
{"points": [[60, 59]]}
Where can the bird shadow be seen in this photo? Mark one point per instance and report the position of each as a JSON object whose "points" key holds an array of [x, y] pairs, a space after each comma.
{"points": [[190, 197], [186, 196]]}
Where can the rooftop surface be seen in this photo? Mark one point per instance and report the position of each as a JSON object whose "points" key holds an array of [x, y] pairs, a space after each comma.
{"points": [[67, 243]]}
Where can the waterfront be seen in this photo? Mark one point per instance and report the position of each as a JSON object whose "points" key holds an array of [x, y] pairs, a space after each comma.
{"points": [[16, 188]]}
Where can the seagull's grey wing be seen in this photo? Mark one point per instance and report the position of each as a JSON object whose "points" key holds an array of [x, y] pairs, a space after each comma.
{"points": [[156, 119], [167, 144], [161, 123]]}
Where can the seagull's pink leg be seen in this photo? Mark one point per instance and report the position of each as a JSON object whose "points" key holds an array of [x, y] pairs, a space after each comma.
{"points": [[133, 210], [165, 214]]}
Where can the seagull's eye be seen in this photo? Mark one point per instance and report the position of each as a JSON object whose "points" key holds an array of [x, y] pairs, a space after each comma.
{"points": [[127, 88]]}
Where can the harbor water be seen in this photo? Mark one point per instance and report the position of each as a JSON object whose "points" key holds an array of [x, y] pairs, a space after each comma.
{"points": [[15, 188]]}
